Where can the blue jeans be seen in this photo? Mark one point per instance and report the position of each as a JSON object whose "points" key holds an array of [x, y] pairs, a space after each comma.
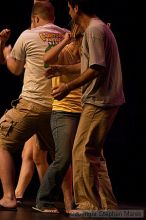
{"points": [[64, 126]]}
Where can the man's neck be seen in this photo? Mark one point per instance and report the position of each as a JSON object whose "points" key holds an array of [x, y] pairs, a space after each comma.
{"points": [[84, 20], [42, 22]]}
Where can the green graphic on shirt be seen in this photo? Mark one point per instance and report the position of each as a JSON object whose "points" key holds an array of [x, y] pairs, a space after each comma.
{"points": [[48, 48]]}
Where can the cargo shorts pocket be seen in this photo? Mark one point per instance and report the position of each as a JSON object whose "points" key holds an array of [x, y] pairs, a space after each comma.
{"points": [[5, 126]]}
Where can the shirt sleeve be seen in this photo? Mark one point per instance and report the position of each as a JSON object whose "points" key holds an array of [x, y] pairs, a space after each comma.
{"points": [[95, 41], [18, 52]]}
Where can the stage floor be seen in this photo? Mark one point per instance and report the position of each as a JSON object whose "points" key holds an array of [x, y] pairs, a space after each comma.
{"points": [[27, 213]]}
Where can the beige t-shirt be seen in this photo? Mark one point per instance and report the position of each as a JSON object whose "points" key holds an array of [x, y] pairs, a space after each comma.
{"points": [[30, 47], [99, 47]]}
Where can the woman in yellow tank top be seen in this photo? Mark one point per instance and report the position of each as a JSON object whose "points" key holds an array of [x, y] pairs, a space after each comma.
{"points": [[64, 122]]}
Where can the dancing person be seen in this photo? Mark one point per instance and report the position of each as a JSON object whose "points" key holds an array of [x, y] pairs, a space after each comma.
{"points": [[31, 112], [64, 122], [102, 95], [31, 155]]}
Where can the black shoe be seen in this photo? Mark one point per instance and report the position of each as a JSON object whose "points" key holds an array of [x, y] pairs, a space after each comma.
{"points": [[20, 202]]}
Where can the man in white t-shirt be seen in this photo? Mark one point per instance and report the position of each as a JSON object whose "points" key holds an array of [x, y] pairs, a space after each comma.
{"points": [[31, 112]]}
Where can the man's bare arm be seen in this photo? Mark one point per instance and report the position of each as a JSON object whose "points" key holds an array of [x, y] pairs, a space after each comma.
{"points": [[61, 91], [15, 66]]}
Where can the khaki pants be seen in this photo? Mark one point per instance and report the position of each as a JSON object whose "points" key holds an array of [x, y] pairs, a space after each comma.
{"points": [[94, 125], [22, 121], [108, 200]]}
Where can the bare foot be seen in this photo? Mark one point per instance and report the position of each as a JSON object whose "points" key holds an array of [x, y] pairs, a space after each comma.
{"points": [[8, 202]]}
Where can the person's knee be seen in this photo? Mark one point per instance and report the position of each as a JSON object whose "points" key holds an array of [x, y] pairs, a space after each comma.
{"points": [[40, 159], [26, 156]]}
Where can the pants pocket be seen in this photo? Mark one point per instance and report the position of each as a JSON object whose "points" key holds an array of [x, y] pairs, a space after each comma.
{"points": [[5, 126]]}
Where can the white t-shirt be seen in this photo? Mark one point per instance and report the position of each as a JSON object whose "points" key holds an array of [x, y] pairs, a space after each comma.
{"points": [[30, 48]]}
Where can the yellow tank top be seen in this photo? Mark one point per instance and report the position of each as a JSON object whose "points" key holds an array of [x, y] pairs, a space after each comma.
{"points": [[72, 102]]}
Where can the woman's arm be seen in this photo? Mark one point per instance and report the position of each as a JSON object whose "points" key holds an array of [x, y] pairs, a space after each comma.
{"points": [[51, 56], [58, 70]]}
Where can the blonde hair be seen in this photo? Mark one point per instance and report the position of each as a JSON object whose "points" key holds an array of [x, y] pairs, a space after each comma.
{"points": [[44, 10]]}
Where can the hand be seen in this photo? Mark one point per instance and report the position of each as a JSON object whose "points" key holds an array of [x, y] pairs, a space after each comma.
{"points": [[55, 70], [67, 38], [4, 35], [7, 51], [52, 71], [59, 92]]}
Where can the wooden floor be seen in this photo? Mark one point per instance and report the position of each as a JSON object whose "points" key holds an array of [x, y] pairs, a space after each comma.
{"points": [[27, 213]]}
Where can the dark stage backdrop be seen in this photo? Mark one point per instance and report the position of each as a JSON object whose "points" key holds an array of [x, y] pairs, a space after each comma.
{"points": [[124, 147]]}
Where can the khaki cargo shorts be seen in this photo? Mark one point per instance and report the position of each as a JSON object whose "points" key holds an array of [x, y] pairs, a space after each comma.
{"points": [[18, 124]]}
